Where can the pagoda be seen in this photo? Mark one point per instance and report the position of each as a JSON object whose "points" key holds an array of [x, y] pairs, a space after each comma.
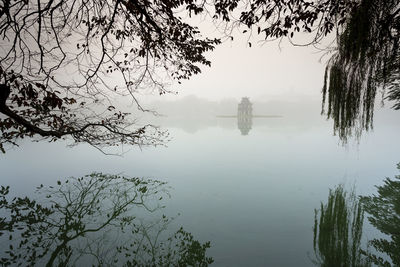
{"points": [[245, 115]]}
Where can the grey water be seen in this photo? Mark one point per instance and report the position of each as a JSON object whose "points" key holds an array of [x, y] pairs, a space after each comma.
{"points": [[252, 196]]}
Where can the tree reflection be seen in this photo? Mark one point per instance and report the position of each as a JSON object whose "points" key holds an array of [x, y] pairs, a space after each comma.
{"points": [[95, 221], [337, 231], [384, 214]]}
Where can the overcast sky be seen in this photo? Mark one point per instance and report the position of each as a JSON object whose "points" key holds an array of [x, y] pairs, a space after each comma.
{"points": [[263, 72], [258, 72]]}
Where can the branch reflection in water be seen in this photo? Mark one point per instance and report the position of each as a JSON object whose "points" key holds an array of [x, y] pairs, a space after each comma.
{"points": [[337, 231], [95, 220], [339, 225], [384, 214]]}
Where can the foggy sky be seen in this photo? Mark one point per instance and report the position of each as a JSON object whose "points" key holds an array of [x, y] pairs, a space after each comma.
{"points": [[266, 71], [258, 72]]}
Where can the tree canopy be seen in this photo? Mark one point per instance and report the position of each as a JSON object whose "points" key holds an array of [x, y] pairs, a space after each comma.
{"points": [[63, 63], [366, 60]]}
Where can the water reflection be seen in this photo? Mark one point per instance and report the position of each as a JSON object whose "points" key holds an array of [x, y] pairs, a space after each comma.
{"points": [[96, 220], [245, 116], [337, 231], [384, 214], [338, 227]]}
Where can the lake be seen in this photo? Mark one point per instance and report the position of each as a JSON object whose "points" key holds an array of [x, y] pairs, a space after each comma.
{"points": [[252, 196]]}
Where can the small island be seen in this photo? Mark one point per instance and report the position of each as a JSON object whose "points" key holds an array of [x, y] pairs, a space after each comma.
{"points": [[245, 116]]}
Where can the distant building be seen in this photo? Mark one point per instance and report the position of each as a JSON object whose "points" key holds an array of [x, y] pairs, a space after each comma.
{"points": [[245, 115], [245, 107]]}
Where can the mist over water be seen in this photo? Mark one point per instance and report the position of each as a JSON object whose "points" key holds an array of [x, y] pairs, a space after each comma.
{"points": [[252, 196]]}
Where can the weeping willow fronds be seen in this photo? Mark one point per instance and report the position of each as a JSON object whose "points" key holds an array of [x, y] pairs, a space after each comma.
{"points": [[367, 58]]}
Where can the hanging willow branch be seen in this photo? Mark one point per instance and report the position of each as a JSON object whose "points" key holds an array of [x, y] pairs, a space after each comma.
{"points": [[367, 59]]}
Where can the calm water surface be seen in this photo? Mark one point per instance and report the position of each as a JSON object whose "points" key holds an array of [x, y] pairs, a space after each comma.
{"points": [[253, 196]]}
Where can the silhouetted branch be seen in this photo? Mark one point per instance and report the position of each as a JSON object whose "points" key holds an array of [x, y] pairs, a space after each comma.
{"points": [[90, 52]]}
